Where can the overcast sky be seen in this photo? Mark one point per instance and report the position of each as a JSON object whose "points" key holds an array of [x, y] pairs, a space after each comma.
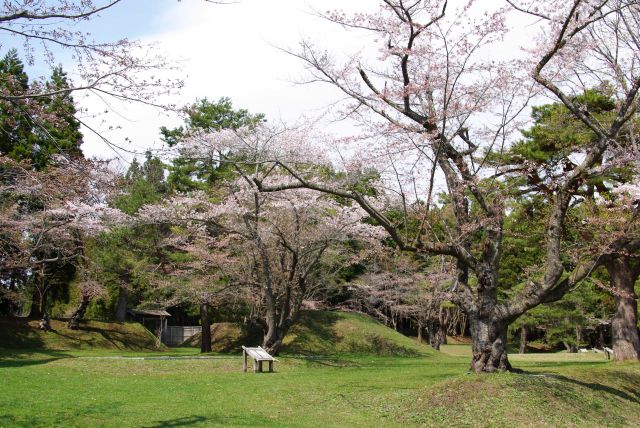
{"points": [[224, 50]]}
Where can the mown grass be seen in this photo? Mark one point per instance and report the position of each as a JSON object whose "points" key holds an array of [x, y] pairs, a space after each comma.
{"points": [[350, 389]]}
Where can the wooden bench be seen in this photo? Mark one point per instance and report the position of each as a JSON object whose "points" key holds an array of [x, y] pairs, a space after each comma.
{"points": [[258, 355]]}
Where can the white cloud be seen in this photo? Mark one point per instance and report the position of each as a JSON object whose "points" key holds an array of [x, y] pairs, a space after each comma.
{"points": [[228, 50]]}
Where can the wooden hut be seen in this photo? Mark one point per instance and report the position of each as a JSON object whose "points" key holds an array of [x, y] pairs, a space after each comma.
{"points": [[155, 320]]}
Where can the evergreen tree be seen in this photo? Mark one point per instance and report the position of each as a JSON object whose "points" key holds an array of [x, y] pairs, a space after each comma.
{"points": [[128, 256], [187, 173], [547, 152], [27, 135], [16, 136], [59, 130], [33, 129]]}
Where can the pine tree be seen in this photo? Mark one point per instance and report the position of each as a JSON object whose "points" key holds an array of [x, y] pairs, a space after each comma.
{"points": [[15, 126], [186, 173], [59, 130], [27, 135]]}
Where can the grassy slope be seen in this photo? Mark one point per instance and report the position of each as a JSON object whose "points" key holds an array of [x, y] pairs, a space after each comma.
{"points": [[19, 333], [330, 333], [551, 394], [321, 333], [345, 389]]}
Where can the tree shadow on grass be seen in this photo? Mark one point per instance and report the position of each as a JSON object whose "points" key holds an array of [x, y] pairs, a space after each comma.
{"points": [[16, 332], [121, 339], [22, 421], [314, 334], [179, 422], [114, 338], [218, 420], [11, 358], [635, 398], [629, 378]]}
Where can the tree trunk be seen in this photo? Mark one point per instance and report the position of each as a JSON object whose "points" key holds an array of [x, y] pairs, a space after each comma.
{"points": [[435, 343], [45, 322], [441, 335], [121, 306], [274, 337], [601, 341], [419, 332], [273, 343], [205, 342], [432, 330], [572, 349], [624, 329], [489, 345], [78, 314], [523, 339], [36, 311], [277, 331]]}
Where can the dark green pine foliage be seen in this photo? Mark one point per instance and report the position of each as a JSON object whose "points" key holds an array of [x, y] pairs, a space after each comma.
{"points": [[547, 148], [34, 129], [556, 135], [546, 151], [128, 257], [59, 130], [578, 320], [143, 184], [185, 173], [15, 126]]}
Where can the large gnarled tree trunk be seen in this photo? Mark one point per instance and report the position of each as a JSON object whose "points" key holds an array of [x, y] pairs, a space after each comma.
{"points": [[273, 338], [624, 325], [489, 345], [36, 305]]}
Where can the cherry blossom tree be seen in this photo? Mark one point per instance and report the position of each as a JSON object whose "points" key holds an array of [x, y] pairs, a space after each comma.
{"points": [[44, 218], [89, 290], [402, 289], [441, 97], [120, 68], [278, 248]]}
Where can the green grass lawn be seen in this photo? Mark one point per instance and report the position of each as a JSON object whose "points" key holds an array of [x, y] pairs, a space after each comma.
{"points": [[79, 387]]}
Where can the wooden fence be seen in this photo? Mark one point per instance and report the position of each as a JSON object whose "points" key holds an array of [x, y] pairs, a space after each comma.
{"points": [[175, 335]]}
